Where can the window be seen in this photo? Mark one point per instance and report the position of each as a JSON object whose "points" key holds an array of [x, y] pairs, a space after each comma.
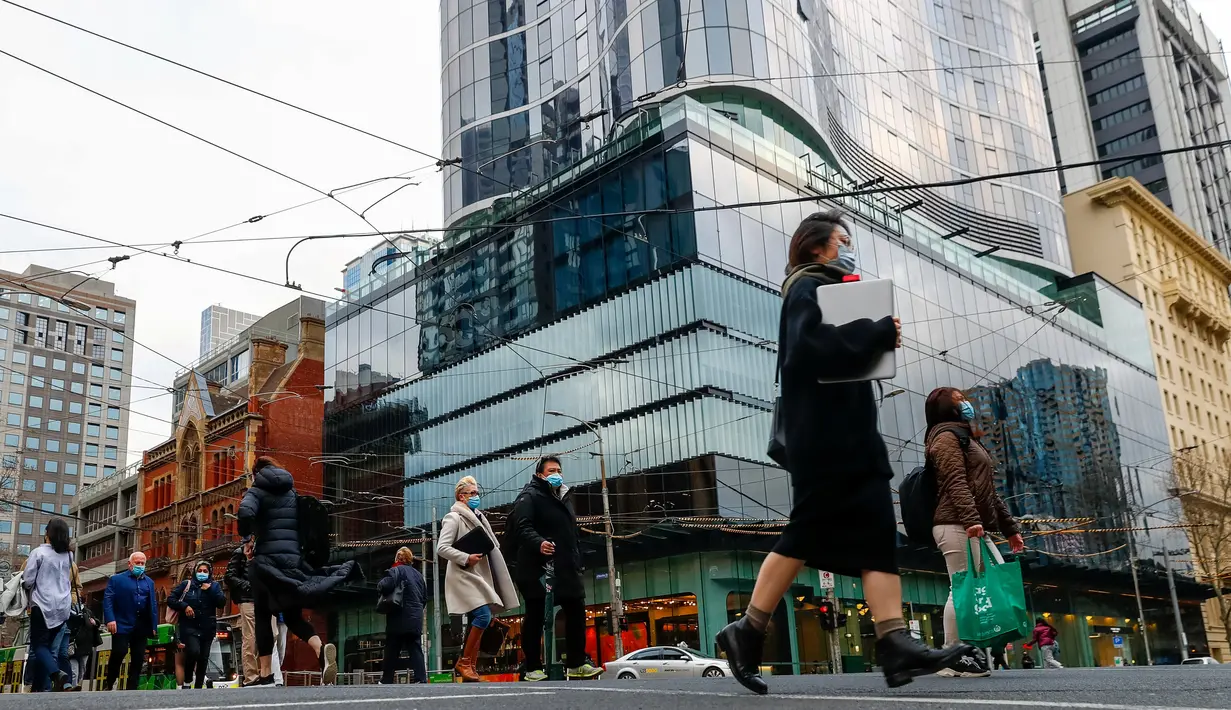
{"points": [[1132, 167], [53, 425], [117, 374], [79, 368], [118, 317], [108, 471], [36, 401], [92, 430], [4, 314], [39, 361], [1117, 90], [57, 384], [113, 433], [1104, 44], [14, 420], [33, 443], [25, 528], [91, 450], [113, 393], [18, 378], [96, 371], [1101, 15], [113, 413], [55, 405], [74, 408], [6, 526], [90, 470], [23, 549], [79, 332], [16, 398], [96, 391], [70, 489], [52, 445], [98, 352], [47, 507], [37, 381], [117, 337], [58, 364], [117, 355], [13, 440], [1132, 139], [100, 313], [96, 410], [19, 357], [74, 427], [1112, 66], [73, 448], [34, 422], [29, 485], [49, 487], [77, 388], [70, 468], [111, 453]]}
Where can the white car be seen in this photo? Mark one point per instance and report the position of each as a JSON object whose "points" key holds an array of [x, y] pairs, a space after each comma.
{"points": [[1202, 661], [666, 662]]}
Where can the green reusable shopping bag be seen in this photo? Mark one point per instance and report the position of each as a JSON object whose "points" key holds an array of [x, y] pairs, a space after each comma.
{"points": [[991, 607]]}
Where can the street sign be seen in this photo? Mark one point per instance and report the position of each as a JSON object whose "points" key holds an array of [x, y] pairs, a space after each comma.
{"points": [[916, 629], [1117, 641], [1119, 660], [827, 580]]}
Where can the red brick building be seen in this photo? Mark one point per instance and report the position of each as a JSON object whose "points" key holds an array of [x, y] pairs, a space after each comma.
{"points": [[192, 484]]}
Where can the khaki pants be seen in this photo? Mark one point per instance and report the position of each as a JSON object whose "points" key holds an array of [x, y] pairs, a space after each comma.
{"points": [[953, 542], [252, 668]]}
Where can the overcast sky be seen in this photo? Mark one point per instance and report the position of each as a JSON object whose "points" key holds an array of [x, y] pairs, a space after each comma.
{"points": [[77, 161]]}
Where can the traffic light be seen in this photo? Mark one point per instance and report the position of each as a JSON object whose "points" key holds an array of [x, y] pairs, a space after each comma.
{"points": [[828, 618]]}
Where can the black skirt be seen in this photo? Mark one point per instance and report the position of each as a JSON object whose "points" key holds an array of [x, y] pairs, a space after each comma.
{"points": [[845, 529]]}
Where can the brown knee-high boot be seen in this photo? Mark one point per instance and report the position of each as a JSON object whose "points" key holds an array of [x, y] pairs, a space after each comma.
{"points": [[465, 667]]}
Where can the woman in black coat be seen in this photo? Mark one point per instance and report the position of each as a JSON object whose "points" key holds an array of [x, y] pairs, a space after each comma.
{"points": [[197, 599], [281, 579], [843, 519], [404, 627]]}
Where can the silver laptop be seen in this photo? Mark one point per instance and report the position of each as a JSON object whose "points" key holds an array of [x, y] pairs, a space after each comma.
{"points": [[855, 300]]}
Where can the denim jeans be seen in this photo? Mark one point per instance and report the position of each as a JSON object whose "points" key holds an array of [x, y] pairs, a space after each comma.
{"points": [[480, 618]]}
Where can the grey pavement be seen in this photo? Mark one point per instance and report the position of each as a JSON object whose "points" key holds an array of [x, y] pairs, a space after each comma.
{"points": [[1166, 688]]}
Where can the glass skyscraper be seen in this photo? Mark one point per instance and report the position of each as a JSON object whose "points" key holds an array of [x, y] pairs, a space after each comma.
{"points": [[616, 285]]}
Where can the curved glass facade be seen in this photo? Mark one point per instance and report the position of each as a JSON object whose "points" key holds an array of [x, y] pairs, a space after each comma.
{"points": [[900, 93]]}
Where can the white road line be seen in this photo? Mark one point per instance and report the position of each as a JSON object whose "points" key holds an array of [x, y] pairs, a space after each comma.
{"points": [[893, 699], [355, 701]]}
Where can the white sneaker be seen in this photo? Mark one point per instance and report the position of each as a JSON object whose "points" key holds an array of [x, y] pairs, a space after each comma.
{"points": [[329, 674], [536, 676]]}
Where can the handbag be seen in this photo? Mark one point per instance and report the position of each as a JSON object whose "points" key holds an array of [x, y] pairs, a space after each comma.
{"points": [[391, 603], [777, 428], [990, 606], [173, 616]]}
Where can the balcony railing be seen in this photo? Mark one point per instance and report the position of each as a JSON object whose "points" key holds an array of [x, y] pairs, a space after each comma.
{"points": [[107, 486]]}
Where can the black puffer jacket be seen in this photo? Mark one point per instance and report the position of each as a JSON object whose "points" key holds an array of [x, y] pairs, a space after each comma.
{"points": [[205, 604], [538, 515], [278, 571], [270, 510], [408, 619], [237, 577]]}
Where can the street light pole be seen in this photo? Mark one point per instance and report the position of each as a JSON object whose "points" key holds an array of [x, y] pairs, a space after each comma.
{"points": [[1141, 614], [1175, 606], [617, 605]]}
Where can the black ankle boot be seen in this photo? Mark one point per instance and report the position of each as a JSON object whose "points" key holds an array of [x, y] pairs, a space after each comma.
{"points": [[743, 646], [903, 657]]}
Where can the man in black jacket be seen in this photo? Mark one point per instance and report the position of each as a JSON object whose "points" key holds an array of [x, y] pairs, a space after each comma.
{"points": [[241, 593], [544, 528]]}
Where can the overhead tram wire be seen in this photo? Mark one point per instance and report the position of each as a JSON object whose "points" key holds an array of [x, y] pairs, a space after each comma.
{"points": [[187, 133]]}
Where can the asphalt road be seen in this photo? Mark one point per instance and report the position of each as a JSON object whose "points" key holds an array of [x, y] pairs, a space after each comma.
{"points": [[1167, 688]]}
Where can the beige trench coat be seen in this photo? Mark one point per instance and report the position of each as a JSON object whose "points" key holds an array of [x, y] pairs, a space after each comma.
{"points": [[487, 582]]}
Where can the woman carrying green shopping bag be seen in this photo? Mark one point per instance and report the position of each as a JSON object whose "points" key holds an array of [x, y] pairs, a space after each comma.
{"points": [[967, 506]]}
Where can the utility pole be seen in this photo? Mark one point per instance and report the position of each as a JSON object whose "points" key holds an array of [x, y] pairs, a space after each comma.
{"points": [[1175, 606], [1141, 614], [436, 600]]}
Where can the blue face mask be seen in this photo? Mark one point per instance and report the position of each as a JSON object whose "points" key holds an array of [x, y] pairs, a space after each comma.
{"points": [[967, 410], [555, 480], [845, 259], [138, 570], [473, 502], [202, 576]]}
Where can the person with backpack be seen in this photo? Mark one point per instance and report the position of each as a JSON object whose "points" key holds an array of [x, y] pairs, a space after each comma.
{"points": [[197, 601], [826, 435], [477, 582], [967, 504], [282, 579], [47, 580], [404, 620]]}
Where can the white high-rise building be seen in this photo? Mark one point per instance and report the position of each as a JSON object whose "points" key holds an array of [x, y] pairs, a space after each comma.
{"points": [[1134, 76], [66, 361], [219, 325]]}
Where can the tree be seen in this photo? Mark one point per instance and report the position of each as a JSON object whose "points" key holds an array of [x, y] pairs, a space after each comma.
{"points": [[1204, 482]]}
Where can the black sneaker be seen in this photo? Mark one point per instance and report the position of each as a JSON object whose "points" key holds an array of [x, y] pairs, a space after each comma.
{"points": [[60, 682], [902, 657], [743, 646], [970, 665]]}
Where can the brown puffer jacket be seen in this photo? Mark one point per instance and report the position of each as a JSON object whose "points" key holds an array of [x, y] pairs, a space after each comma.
{"points": [[966, 484]]}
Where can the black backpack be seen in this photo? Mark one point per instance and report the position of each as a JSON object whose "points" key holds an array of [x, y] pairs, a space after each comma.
{"points": [[918, 496], [314, 527]]}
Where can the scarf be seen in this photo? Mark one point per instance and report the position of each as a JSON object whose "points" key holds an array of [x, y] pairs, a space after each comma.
{"points": [[827, 273]]}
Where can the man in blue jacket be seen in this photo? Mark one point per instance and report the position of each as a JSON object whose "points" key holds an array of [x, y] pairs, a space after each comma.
{"points": [[130, 611]]}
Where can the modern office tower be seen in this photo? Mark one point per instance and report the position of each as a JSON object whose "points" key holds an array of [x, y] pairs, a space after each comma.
{"points": [[220, 324], [1135, 76], [66, 359]]}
